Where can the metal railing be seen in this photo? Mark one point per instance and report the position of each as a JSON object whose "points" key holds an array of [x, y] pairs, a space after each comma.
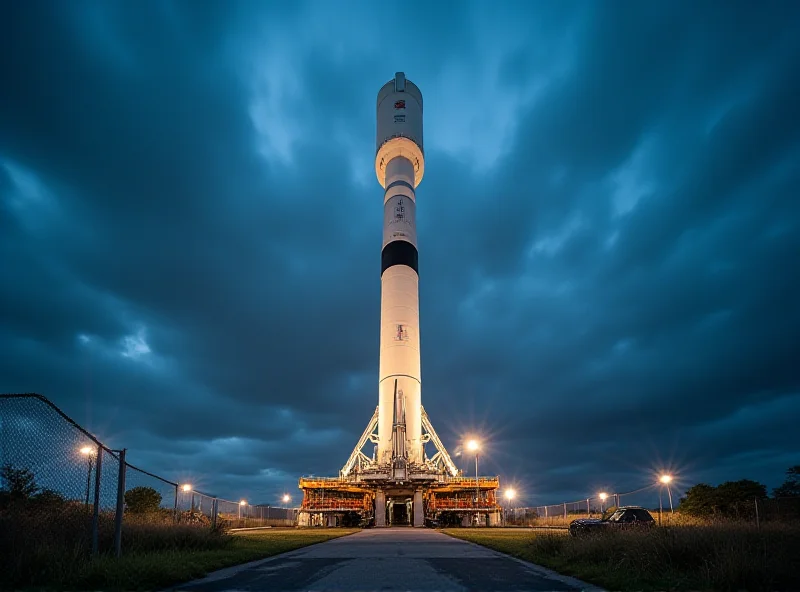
{"points": [[467, 481]]}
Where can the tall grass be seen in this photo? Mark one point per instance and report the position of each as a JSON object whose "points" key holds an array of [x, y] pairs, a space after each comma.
{"points": [[667, 519], [40, 545], [714, 557], [721, 557]]}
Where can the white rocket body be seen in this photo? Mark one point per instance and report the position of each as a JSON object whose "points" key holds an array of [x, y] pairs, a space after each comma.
{"points": [[399, 165]]}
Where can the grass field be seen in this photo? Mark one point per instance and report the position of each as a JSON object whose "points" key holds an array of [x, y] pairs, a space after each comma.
{"points": [[718, 557], [183, 556], [47, 545], [151, 571]]}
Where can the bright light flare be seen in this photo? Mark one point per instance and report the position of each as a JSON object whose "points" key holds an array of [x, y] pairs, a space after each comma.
{"points": [[286, 498], [473, 445], [665, 479], [187, 487], [604, 496], [243, 503], [87, 450], [510, 493]]}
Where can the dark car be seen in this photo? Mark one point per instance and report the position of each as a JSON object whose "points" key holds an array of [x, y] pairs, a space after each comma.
{"points": [[625, 517]]}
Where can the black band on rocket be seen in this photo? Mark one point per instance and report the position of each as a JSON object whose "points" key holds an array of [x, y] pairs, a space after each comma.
{"points": [[396, 183], [399, 252]]}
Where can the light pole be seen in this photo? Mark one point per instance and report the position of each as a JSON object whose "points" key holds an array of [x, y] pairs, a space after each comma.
{"points": [[88, 452], [509, 496], [474, 446], [603, 498], [242, 504], [286, 498], [665, 480], [186, 489]]}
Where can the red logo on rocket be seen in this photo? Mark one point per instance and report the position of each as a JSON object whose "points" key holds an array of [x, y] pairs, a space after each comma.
{"points": [[400, 104]]}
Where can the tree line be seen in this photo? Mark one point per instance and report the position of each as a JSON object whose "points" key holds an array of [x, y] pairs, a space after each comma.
{"points": [[18, 488], [735, 498]]}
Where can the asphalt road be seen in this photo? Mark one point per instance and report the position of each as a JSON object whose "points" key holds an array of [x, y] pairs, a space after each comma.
{"points": [[385, 559]]}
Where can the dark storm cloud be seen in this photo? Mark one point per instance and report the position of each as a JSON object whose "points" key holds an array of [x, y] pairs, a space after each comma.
{"points": [[190, 228]]}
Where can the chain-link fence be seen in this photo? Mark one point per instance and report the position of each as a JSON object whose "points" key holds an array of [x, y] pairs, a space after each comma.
{"points": [[657, 498], [235, 515], [592, 507], [652, 496], [64, 474]]}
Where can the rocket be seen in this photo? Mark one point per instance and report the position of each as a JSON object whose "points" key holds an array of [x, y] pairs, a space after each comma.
{"points": [[399, 473], [399, 166]]}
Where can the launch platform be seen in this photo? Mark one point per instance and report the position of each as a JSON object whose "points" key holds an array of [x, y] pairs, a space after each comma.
{"points": [[399, 493], [397, 482]]}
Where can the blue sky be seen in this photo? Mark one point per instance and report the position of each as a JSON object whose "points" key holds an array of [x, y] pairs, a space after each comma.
{"points": [[190, 232]]}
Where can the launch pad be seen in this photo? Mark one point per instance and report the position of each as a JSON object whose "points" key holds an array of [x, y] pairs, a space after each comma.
{"points": [[343, 502], [399, 493], [398, 483]]}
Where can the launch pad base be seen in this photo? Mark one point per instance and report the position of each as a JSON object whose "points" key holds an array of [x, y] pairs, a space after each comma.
{"points": [[384, 502]]}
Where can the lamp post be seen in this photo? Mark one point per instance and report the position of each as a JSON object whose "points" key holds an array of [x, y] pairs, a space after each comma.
{"points": [[242, 504], [665, 479], [510, 493], [88, 452], [474, 446], [286, 501], [603, 498], [186, 489]]}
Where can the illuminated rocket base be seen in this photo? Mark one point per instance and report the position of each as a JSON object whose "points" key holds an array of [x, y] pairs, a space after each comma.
{"points": [[397, 482], [399, 493]]}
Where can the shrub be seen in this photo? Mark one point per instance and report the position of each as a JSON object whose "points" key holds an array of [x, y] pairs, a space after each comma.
{"points": [[142, 500], [194, 517], [734, 499], [790, 487]]}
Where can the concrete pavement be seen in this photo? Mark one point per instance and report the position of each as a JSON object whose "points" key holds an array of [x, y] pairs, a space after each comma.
{"points": [[387, 559]]}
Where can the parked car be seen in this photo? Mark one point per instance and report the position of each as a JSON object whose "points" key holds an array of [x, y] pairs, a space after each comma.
{"points": [[625, 517]]}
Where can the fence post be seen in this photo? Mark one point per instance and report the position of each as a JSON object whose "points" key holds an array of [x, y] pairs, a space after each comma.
{"points": [[214, 513], [96, 513], [120, 504], [588, 511], [565, 510], [175, 507], [758, 522]]}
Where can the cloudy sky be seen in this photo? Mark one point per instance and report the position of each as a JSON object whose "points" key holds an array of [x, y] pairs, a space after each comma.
{"points": [[190, 232]]}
